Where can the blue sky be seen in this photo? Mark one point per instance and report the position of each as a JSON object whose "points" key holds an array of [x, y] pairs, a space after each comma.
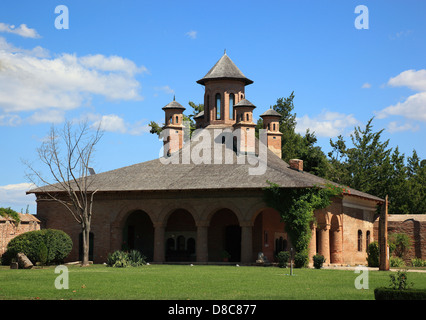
{"points": [[122, 61]]}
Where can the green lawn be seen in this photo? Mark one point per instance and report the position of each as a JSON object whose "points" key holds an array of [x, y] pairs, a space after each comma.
{"points": [[199, 282]]}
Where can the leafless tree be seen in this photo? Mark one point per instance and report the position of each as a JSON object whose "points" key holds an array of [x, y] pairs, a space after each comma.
{"points": [[67, 155]]}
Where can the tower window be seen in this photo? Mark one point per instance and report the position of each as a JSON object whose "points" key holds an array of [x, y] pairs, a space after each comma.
{"points": [[171, 120], [247, 117], [177, 119], [273, 126], [231, 106], [218, 106]]}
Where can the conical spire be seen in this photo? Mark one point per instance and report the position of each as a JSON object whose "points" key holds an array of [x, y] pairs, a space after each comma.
{"points": [[224, 69]]}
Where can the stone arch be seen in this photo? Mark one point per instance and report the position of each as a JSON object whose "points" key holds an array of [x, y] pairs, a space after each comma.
{"points": [[138, 233], [269, 235], [336, 239], [179, 228], [208, 213], [224, 234], [172, 207]]}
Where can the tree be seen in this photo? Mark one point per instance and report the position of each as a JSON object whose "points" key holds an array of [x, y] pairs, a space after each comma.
{"points": [[67, 155]]}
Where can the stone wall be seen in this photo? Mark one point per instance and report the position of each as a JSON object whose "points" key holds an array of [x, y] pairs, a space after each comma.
{"points": [[9, 229], [414, 225]]}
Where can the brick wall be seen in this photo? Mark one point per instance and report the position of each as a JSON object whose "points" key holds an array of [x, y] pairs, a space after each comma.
{"points": [[9, 229], [414, 226]]}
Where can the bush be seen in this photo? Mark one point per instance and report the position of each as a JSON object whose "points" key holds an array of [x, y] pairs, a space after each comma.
{"points": [[282, 258], [396, 262], [400, 244], [373, 254], [318, 261], [392, 294], [122, 259], [31, 243], [301, 259], [417, 262]]}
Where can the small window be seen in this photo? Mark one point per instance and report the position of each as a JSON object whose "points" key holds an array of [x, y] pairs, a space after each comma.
{"points": [[367, 239], [273, 127], [359, 240], [177, 119], [247, 117], [218, 106], [171, 120], [231, 106]]}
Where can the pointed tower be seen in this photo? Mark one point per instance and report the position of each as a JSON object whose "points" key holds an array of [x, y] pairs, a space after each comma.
{"points": [[271, 122], [224, 88], [174, 127], [244, 126]]}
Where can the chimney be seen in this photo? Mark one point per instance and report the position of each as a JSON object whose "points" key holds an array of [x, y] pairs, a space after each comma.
{"points": [[296, 164]]}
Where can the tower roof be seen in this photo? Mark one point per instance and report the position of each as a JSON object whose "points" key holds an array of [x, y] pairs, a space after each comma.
{"points": [[270, 112], [244, 103], [224, 69], [174, 105]]}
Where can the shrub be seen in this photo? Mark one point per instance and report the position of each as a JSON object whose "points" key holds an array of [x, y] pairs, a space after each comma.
{"points": [[122, 259], [57, 242], [396, 262], [318, 261], [373, 254], [301, 259], [399, 281], [400, 243], [417, 262], [282, 258], [392, 294]]}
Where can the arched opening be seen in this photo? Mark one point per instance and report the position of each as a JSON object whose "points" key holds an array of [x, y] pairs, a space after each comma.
{"points": [[224, 235], [269, 236], [180, 235], [138, 234]]}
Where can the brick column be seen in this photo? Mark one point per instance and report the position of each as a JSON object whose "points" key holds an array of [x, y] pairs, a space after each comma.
{"points": [[246, 243], [324, 242], [202, 243], [159, 245], [336, 252], [312, 249]]}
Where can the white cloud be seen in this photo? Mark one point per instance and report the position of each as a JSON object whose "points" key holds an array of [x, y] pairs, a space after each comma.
{"points": [[192, 34], [15, 195], [22, 30], [327, 124], [366, 86], [413, 107], [30, 81], [114, 123], [165, 89], [394, 127], [412, 79]]}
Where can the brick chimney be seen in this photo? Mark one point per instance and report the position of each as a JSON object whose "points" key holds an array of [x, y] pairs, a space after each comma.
{"points": [[296, 164]]}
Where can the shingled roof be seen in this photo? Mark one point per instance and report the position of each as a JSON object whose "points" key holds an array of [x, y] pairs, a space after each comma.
{"points": [[225, 69], [155, 176]]}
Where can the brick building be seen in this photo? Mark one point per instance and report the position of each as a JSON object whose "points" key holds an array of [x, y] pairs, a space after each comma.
{"points": [[202, 198], [9, 229]]}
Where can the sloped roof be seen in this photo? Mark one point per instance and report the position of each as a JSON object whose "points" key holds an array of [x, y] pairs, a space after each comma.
{"points": [[173, 105], [154, 175], [225, 69], [244, 103], [270, 112]]}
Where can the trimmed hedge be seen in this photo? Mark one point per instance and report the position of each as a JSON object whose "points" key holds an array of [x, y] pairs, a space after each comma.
{"points": [[394, 294], [34, 243]]}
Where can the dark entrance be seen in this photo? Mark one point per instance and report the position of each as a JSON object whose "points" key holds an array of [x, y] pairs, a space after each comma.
{"points": [[233, 242]]}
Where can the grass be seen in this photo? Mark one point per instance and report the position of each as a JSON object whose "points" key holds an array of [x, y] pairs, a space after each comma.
{"points": [[200, 282]]}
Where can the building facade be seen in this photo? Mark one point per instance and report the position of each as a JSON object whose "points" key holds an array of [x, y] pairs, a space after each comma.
{"points": [[201, 203]]}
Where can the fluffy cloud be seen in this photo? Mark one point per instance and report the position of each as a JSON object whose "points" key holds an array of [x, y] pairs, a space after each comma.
{"points": [[22, 30], [327, 124], [14, 195], [32, 82], [414, 107], [114, 123]]}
